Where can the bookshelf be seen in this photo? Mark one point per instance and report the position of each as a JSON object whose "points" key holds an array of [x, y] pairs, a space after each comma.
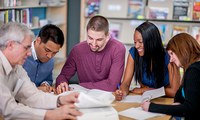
{"points": [[164, 13], [36, 14]]}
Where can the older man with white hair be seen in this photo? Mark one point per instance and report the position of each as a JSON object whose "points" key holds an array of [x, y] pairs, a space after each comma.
{"points": [[20, 98]]}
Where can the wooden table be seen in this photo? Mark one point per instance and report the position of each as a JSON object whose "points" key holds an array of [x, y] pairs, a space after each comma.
{"points": [[119, 106], [1, 117]]}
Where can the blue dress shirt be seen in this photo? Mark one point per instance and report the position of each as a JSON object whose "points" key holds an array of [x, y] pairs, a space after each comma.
{"points": [[37, 71]]}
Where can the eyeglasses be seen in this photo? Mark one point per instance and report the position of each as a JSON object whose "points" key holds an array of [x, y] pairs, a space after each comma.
{"points": [[28, 47]]}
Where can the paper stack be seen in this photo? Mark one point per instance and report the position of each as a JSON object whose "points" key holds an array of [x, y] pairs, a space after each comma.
{"points": [[94, 104]]}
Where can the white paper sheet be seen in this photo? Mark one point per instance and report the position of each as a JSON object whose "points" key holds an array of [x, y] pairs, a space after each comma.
{"points": [[132, 98], [86, 101], [89, 98], [138, 113], [95, 104], [103, 113]]}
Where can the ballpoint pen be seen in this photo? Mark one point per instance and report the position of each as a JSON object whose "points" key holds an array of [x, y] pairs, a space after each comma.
{"points": [[118, 86]]}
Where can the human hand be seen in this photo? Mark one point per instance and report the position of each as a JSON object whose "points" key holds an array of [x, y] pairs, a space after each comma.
{"points": [[119, 95], [145, 105], [141, 90], [52, 89], [69, 99], [137, 91], [46, 88], [62, 88], [62, 113]]}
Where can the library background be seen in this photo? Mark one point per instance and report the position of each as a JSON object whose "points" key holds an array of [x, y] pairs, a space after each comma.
{"points": [[170, 16]]}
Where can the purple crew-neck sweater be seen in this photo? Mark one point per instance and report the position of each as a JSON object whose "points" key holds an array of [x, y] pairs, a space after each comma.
{"points": [[96, 70]]}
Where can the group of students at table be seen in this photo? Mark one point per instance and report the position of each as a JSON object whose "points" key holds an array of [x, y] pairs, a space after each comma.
{"points": [[99, 63]]}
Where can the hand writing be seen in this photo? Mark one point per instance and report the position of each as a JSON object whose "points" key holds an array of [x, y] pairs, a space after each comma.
{"points": [[119, 95]]}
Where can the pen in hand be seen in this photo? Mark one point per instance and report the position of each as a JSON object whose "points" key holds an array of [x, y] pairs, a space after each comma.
{"points": [[118, 86], [119, 94]]}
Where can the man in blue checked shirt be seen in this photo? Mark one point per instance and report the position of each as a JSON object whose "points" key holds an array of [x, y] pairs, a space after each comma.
{"points": [[40, 64]]}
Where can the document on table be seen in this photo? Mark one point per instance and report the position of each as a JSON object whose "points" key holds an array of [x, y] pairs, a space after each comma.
{"points": [[148, 95], [132, 98], [103, 113], [88, 101], [95, 104], [138, 113], [89, 98]]}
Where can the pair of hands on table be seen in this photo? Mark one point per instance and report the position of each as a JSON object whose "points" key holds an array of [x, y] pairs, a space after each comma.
{"points": [[60, 88]]}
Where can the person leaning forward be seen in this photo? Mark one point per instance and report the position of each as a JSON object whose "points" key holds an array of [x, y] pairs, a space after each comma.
{"points": [[20, 98], [98, 61], [39, 66]]}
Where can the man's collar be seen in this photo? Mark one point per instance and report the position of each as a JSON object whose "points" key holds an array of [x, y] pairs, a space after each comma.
{"points": [[33, 51]]}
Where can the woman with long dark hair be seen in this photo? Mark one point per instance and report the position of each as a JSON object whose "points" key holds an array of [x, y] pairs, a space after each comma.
{"points": [[149, 63]]}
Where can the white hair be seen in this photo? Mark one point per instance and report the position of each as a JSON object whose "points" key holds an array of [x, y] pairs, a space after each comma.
{"points": [[13, 31]]}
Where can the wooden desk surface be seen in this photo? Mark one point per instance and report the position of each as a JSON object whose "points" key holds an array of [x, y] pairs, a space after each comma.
{"points": [[1, 117], [119, 106]]}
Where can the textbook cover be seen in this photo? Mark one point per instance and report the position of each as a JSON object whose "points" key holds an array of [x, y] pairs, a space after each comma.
{"points": [[136, 8], [180, 9], [179, 29], [196, 10], [92, 8], [158, 12], [115, 29]]}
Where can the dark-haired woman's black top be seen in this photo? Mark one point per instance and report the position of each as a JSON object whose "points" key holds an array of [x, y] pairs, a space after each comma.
{"points": [[188, 95]]}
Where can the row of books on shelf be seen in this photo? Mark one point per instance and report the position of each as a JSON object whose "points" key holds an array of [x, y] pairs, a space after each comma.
{"points": [[22, 16], [9, 3], [150, 9], [18, 15], [14, 3]]}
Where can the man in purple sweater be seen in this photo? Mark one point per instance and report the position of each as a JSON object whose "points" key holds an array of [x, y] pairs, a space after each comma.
{"points": [[98, 61]]}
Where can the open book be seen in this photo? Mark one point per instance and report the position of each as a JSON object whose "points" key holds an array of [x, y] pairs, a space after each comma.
{"points": [[146, 96], [95, 104]]}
